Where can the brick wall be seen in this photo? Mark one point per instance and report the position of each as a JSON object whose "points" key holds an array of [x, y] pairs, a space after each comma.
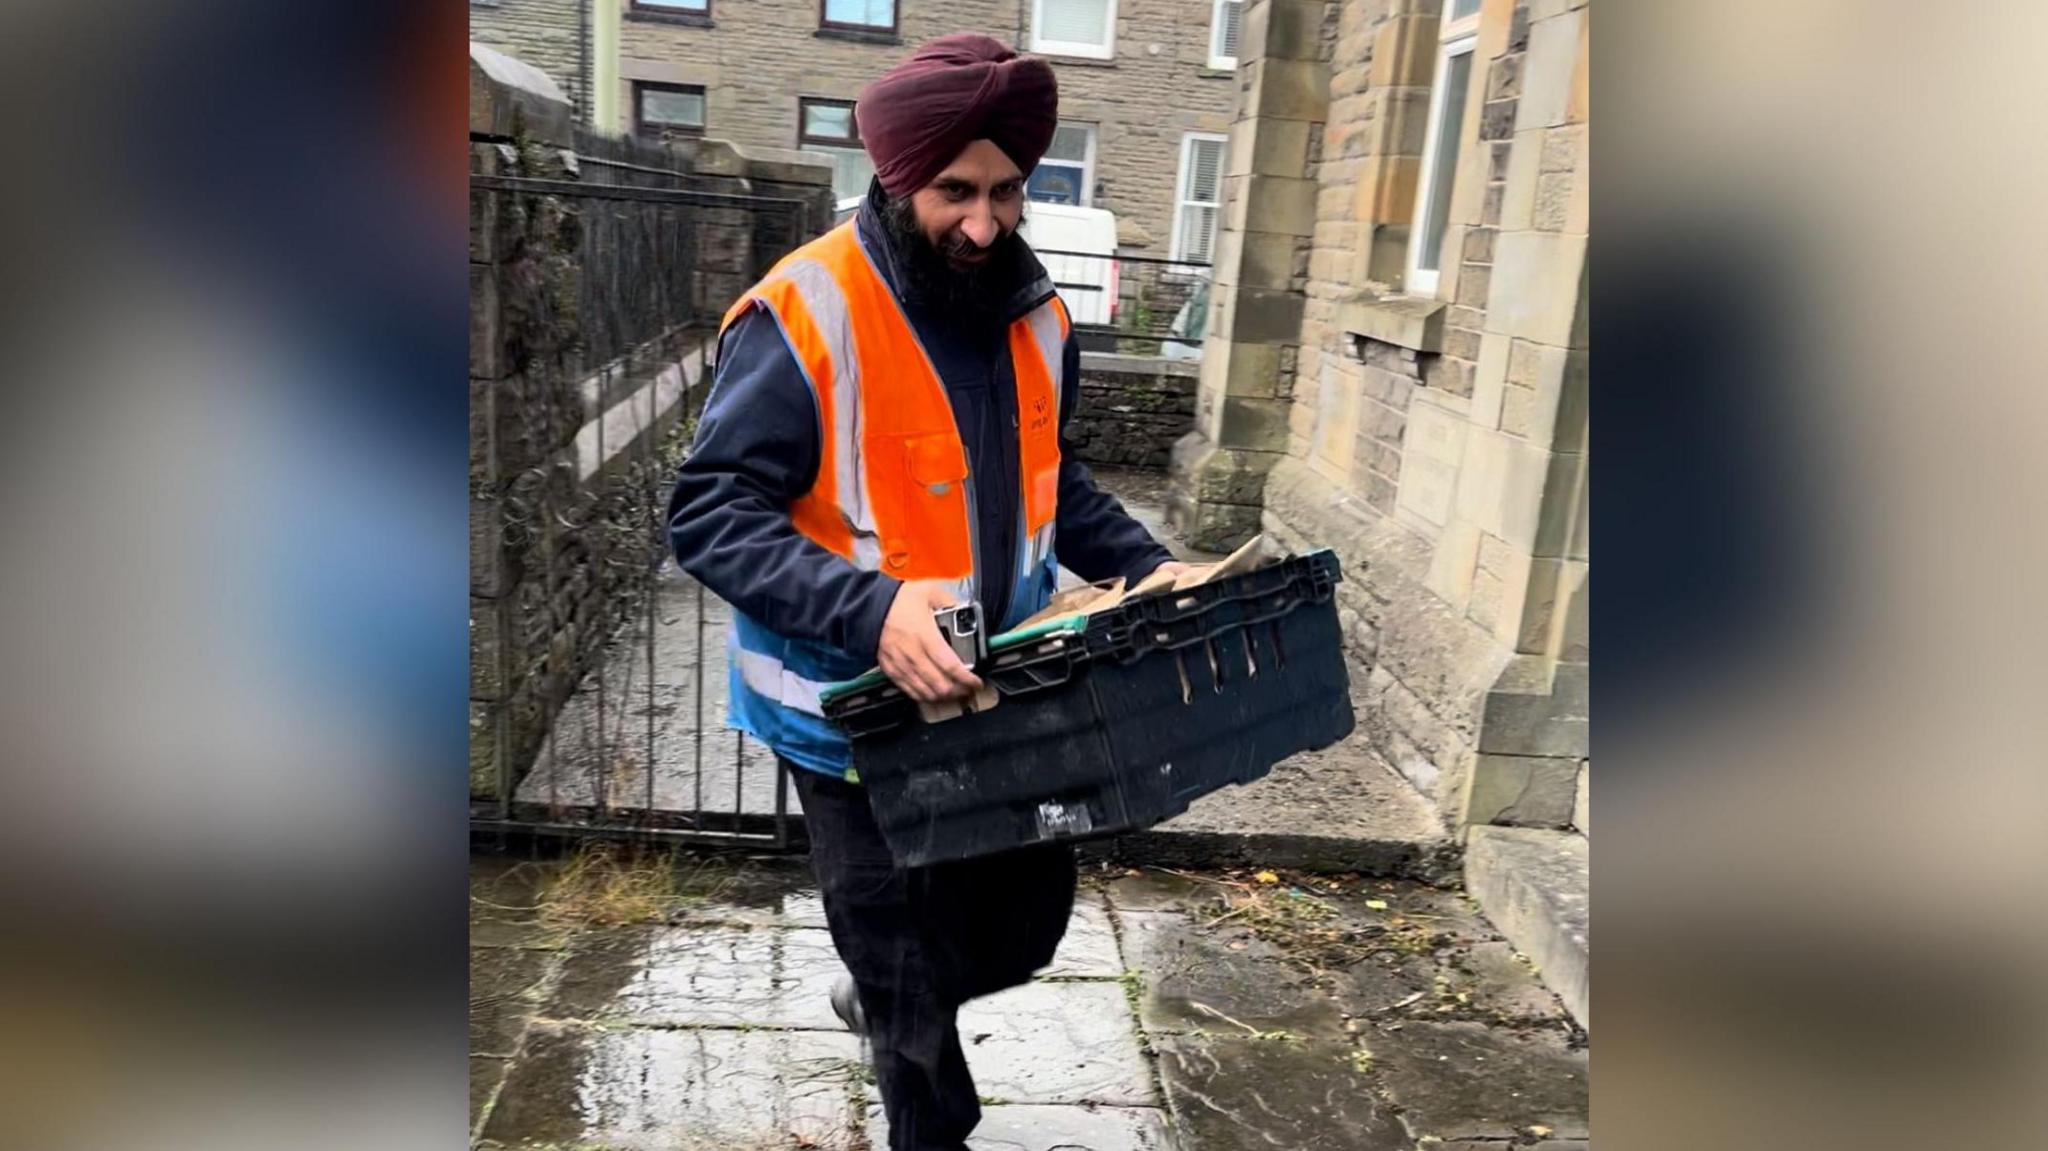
{"points": [[544, 33], [761, 56]]}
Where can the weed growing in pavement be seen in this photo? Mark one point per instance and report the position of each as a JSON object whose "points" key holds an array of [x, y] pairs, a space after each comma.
{"points": [[609, 885], [1292, 914]]}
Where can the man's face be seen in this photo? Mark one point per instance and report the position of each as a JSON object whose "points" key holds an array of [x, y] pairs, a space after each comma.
{"points": [[976, 201]]}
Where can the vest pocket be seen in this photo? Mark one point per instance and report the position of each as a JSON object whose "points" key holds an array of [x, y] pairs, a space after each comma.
{"points": [[927, 493]]}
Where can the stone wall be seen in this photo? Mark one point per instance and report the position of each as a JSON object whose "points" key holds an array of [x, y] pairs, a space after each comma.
{"points": [[1435, 440], [757, 60], [589, 309], [1132, 410], [544, 33]]}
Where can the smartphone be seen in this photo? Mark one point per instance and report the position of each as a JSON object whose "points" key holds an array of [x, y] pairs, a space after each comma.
{"points": [[960, 624]]}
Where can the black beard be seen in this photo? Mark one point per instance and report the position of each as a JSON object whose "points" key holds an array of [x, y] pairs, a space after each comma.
{"points": [[930, 276]]}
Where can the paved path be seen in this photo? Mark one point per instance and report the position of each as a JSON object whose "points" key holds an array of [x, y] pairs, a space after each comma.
{"points": [[1172, 1019]]}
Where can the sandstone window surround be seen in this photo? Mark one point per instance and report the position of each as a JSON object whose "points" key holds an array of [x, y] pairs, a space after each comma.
{"points": [[1082, 28], [874, 17], [828, 128], [667, 109], [1198, 196], [1457, 37], [1066, 174], [1225, 21], [696, 13]]}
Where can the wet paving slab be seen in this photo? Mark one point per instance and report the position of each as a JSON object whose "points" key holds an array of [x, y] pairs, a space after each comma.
{"points": [[1053, 1042], [1468, 1081], [1031, 1127], [1240, 1094], [1165, 1022], [689, 1088], [1089, 949], [703, 976], [1196, 979]]}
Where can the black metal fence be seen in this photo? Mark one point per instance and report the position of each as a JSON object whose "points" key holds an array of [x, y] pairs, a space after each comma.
{"points": [[1135, 305], [598, 675]]}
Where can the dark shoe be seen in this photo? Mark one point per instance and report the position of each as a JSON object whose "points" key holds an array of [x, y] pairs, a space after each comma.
{"points": [[846, 1005]]}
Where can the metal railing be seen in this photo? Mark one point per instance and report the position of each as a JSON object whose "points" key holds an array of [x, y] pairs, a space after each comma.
{"points": [[1138, 305], [598, 682]]}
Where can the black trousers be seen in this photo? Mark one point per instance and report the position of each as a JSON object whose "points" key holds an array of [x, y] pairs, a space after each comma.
{"points": [[922, 941]]}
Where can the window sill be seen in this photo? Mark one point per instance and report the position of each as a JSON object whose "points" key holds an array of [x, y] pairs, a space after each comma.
{"points": [[1413, 322], [1215, 72], [1059, 56], [680, 19], [859, 36]]}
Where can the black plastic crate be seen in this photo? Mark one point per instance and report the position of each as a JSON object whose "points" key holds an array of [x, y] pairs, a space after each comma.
{"points": [[1115, 727]]}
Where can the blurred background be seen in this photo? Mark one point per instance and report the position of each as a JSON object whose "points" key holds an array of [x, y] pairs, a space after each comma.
{"points": [[235, 589]]}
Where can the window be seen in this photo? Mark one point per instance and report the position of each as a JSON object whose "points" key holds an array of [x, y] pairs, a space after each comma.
{"points": [[667, 110], [858, 15], [828, 127], [1066, 174], [671, 7], [1074, 27], [1223, 32], [1198, 205], [1457, 35]]}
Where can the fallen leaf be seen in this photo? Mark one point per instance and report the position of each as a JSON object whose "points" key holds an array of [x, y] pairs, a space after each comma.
{"points": [[1538, 1130], [1266, 877], [1376, 904]]}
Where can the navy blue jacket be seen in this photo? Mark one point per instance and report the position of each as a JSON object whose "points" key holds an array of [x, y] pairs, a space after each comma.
{"points": [[757, 451]]}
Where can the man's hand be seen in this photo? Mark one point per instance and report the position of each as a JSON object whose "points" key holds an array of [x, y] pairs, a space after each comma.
{"points": [[914, 655], [1174, 568]]}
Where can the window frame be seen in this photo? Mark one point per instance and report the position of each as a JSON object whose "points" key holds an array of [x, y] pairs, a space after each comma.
{"points": [[640, 122], [1080, 50], [1180, 195], [1087, 163], [673, 12], [803, 137], [1217, 59], [893, 28], [1454, 38], [834, 146]]}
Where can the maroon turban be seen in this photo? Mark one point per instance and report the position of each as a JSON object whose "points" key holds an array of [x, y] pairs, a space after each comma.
{"points": [[920, 115]]}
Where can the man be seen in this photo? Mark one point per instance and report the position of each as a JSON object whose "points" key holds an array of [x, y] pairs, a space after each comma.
{"points": [[882, 440]]}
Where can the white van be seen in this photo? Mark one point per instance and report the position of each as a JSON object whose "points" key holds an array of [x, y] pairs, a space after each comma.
{"points": [[1077, 247]]}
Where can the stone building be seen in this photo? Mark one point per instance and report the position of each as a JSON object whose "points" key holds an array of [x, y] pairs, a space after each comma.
{"points": [[551, 35], [1147, 87], [1398, 368]]}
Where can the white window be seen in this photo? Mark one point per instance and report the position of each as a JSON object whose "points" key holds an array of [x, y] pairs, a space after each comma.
{"points": [[861, 15], [1074, 28], [1198, 202], [1456, 36], [1224, 23], [828, 128], [1066, 175]]}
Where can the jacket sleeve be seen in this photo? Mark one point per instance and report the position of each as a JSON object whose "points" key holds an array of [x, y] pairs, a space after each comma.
{"points": [[756, 453], [1097, 539]]}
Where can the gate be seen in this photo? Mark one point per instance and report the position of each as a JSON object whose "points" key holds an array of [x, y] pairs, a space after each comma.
{"points": [[598, 672]]}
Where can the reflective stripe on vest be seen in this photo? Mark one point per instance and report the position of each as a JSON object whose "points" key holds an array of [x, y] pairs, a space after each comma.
{"points": [[892, 491]]}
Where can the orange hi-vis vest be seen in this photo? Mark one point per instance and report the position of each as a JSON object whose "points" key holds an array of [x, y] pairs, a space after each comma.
{"points": [[893, 491]]}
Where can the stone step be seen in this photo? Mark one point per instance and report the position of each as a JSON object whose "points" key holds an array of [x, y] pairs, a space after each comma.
{"points": [[1534, 885]]}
